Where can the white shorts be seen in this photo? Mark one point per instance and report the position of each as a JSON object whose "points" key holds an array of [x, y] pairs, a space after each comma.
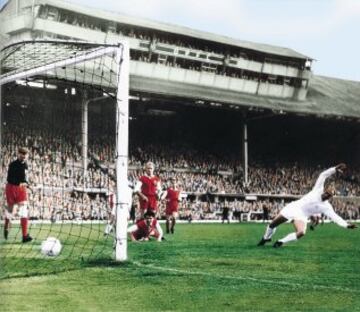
{"points": [[317, 215], [291, 212]]}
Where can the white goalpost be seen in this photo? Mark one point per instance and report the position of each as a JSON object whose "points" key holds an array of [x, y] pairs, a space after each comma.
{"points": [[122, 149], [113, 76]]}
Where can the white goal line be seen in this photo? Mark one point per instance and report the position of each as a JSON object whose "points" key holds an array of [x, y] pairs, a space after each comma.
{"points": [[248, 278]]}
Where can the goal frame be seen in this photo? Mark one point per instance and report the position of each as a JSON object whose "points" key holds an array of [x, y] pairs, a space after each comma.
{"points": [[122, 56]]}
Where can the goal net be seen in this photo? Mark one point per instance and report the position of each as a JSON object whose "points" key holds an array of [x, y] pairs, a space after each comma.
{"points": [[67, 103]]}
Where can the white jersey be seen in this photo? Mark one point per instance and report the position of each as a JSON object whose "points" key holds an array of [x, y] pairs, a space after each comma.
{"points": [[312, 203]]}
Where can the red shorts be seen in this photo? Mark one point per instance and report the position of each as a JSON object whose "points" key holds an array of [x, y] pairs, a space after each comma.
{"points": [[151, 204], [171, 209], [15, 194]]}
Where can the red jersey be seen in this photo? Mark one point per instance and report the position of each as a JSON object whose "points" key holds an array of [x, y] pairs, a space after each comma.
{"points": [[149, 187], [143, 230], [172, 200]]}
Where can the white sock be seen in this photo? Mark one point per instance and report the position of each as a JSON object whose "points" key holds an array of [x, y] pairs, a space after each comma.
{"points": [[108, 229], [288, 238], [269, 232]]}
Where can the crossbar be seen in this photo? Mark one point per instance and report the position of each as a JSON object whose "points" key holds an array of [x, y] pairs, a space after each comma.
{"points": [[4, 79]]}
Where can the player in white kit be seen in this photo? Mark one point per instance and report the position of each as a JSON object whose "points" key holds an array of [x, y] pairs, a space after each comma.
{"points": [[112, 204], [314, 202]]}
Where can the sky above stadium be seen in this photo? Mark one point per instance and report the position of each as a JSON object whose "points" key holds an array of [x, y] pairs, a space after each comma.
{"points": [[325, 30]]}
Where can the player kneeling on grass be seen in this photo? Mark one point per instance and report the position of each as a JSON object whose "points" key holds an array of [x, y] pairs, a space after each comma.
{"points": [[314, 202], [145, 228]]}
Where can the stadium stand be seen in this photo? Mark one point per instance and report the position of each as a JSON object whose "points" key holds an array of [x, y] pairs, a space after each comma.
{"points": [[193, 92]]}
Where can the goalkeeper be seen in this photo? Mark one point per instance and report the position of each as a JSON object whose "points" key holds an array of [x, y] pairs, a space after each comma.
{"points": [[16, 194]]}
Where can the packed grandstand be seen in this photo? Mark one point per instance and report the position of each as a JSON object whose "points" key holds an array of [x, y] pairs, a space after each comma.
{"points": [[196, 147]]}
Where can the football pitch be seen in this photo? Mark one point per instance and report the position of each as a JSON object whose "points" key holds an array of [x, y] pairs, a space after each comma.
{"points": [[202, 267]]}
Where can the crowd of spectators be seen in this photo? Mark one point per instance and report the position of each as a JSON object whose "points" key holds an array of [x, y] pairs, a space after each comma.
{"points": [[259, 210], [202, 172], [63, 189]]}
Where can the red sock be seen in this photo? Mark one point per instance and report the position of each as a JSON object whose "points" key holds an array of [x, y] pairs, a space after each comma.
{"points": [[7, 224], [24, 226]]}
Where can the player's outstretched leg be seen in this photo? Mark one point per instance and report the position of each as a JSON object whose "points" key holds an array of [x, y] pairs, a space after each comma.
{"points": [[269, 232], [24, 221], [7, 223], [300, 227], [271, 229], [278, 244], [288, 238]]}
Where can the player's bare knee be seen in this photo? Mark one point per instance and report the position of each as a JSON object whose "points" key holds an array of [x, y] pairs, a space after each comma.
{"points": [[9, 215], [23, 210], [300, 233]]}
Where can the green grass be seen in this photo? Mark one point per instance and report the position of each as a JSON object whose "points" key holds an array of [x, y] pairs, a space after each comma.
{"points": [[202, 267]]}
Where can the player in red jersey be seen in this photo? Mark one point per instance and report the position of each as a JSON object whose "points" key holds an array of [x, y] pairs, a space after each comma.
{"points": [[148, 189], [172, 197], [16, 194], [145, 228]]}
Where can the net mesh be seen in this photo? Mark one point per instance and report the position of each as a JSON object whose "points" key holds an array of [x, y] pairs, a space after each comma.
{"points": [[58, 100]]}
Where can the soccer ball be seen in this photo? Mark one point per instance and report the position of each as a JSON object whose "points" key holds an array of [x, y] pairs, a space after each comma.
{"points": [[51, 247]]}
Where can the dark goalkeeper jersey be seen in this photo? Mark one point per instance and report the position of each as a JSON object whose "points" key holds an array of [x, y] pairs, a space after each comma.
{"points": [[17, 172]]}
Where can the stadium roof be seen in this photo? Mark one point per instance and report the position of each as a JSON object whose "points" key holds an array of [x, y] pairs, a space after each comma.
{"points": [[170, 28], [332, 96], [327, 97]]}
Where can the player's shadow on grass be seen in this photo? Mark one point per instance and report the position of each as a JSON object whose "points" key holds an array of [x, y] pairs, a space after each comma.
{"points": [[13, 268], [104, 262]]}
